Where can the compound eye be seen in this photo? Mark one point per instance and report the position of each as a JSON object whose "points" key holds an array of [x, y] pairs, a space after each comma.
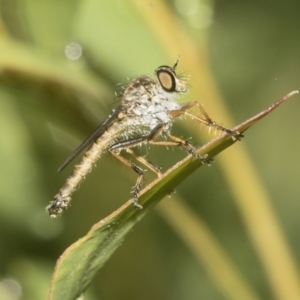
{"points": [[167, 80]]}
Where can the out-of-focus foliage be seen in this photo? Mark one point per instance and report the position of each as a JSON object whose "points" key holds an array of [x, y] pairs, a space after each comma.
{"points": [[60, 62]]}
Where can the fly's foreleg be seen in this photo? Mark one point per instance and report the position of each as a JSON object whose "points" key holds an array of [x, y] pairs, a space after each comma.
{"points": [[235, 135]]}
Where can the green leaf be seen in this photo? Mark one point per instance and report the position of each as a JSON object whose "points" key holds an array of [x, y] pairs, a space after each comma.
{"points": [[79, 263]]}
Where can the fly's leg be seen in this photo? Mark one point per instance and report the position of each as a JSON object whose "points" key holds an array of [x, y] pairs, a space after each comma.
{"points": [[235, 135], [186, 145], [191, 149], [145, 162], [127, 144], [177, 141], [139, 181], [150, 138]]}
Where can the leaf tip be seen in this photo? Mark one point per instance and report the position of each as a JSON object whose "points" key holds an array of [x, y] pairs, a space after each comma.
{"points": [[292, 93]]}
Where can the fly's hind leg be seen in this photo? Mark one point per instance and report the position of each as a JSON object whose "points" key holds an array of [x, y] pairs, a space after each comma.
{"points": [[139, 180], [144, 161], [127, 144]]}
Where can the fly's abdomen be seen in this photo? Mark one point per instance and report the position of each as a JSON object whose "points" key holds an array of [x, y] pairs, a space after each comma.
{"points": [[62, 199]]}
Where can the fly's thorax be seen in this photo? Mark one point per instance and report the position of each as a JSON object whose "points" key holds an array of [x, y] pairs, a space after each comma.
{"points": [[142, 86], [151, 111]]}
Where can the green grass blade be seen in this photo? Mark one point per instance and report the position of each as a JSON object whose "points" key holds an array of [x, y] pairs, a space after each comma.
{"points": [[79, 263]]}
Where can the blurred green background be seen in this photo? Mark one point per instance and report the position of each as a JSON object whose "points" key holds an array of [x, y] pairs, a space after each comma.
{"points": [[60, 62]]}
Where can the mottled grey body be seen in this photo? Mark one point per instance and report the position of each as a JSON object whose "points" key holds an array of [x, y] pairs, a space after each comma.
{"points": [[148, 108], [145, 104]]}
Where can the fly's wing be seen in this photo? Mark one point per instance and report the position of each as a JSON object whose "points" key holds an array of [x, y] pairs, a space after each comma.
{"points": [[97, 133]]}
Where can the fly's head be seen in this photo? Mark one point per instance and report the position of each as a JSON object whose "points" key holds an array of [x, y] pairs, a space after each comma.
{"points": [[169, 81]]}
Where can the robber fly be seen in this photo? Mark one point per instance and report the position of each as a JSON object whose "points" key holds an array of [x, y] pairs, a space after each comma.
{"points": [[147, 112]]}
